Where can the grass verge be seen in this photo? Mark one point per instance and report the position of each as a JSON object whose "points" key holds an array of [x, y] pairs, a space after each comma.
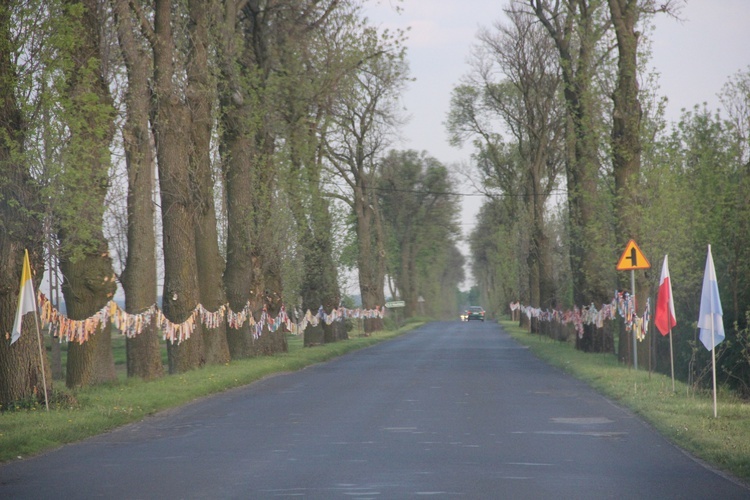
{"points": [[683, 416], [99, 409]]}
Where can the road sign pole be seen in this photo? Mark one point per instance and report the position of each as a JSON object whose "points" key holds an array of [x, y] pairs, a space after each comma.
{"points": [[635, 346], [637, 261]]}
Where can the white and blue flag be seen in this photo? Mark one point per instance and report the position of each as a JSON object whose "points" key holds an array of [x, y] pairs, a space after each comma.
{"points": [[710, 321]]}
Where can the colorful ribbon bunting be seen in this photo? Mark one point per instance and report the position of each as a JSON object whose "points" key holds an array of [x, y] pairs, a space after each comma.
{"points": [[622, 304], [132, 325]]}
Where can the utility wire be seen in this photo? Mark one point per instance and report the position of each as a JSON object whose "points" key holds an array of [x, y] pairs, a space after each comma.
{"points": [[450, 193]]}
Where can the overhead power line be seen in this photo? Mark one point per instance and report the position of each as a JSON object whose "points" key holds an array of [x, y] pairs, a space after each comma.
{"points": [[450, 193]]}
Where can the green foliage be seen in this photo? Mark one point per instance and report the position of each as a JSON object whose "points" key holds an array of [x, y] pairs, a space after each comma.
{"points": [[76, 126], [694, 193], [420, 216], [473, 297], [58, 400], [497, 257], [347, 239]]}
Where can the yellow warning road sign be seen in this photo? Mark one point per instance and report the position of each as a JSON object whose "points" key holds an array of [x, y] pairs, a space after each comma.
{"points": [[632, 258]]}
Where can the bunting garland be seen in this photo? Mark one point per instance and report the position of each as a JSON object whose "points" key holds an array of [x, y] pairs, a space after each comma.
{"points": [[132, 325], [622, 304]]}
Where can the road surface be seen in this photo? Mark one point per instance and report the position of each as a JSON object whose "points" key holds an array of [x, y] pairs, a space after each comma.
{"points": [[451, 410]]}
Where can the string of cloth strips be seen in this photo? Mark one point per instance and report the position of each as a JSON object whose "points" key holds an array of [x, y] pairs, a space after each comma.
{"points": [[622, 303], [132, 325]]}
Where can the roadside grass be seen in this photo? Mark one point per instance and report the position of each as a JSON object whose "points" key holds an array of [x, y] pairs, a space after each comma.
{"points": [[78, 414], [683, 416]]}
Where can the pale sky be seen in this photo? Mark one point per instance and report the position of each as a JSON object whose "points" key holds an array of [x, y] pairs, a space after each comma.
{"points": [[694, 58]]}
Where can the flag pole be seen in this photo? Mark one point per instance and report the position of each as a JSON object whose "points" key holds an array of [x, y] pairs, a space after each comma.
{"points": [[671, 353], [635, 308], [711, 312], [713, 364], [41, 358], [713, 343]]}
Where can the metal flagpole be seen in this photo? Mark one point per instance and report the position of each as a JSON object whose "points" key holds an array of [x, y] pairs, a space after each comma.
{"points": [[671, 351], [713, 361], [637, 261], [635, 308]]}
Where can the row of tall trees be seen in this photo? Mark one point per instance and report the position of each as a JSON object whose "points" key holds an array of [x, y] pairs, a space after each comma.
{"points": [[552, 105], [237, 131], [420, 209], [567, 83]]}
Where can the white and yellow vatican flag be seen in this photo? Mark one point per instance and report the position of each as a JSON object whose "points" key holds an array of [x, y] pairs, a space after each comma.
{"points": [[26, 298]]}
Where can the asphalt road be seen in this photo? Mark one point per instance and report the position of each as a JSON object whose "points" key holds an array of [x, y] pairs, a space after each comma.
{"points": [[451, 410]]}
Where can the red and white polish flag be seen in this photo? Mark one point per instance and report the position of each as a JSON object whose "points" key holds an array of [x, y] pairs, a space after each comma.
{"points": [[664, 316]]}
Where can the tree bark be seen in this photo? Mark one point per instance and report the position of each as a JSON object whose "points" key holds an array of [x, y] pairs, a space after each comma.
{"points": [[89, 280], [582, 166], [370, 265], [237, 163], [626, 146], [200, 95], [21, 370], [171, 129], [310, 209], [139, 275], [253, 270], [87, 287]]}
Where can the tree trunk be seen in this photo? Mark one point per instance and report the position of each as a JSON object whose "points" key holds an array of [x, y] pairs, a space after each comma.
{"points": [[239, 272], [269, 256], [139, 275], [87, 287], [319, 282], [533, 265], [237, 163], [21, 378], [582, 166], [21, 372], [253, 271], [407, 275], [369, 262], [311, 83], [626, 144], [181, 292], [89, 281], [200, 95]]}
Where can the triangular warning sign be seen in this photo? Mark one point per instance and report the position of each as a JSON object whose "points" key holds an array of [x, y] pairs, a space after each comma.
{"points": [[632, 258]]}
